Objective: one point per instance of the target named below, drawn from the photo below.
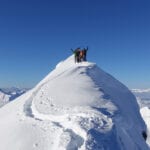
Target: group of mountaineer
(80, 54)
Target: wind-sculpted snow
(76, 107)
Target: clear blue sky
(36, 34)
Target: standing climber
(76, 54)
(81, 56)
(84, 53)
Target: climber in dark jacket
(84, 53)
(76, 54)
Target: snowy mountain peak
(75, 107)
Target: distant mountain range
(9, 94)
(143, 96)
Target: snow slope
(76, 107)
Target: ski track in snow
(72, 127)
(73, 140)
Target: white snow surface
(76, 107)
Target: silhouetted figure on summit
(80, 55)
(84, 53)
(76, 54)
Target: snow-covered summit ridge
(73, 87)
(76, 107)
(92, 85)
